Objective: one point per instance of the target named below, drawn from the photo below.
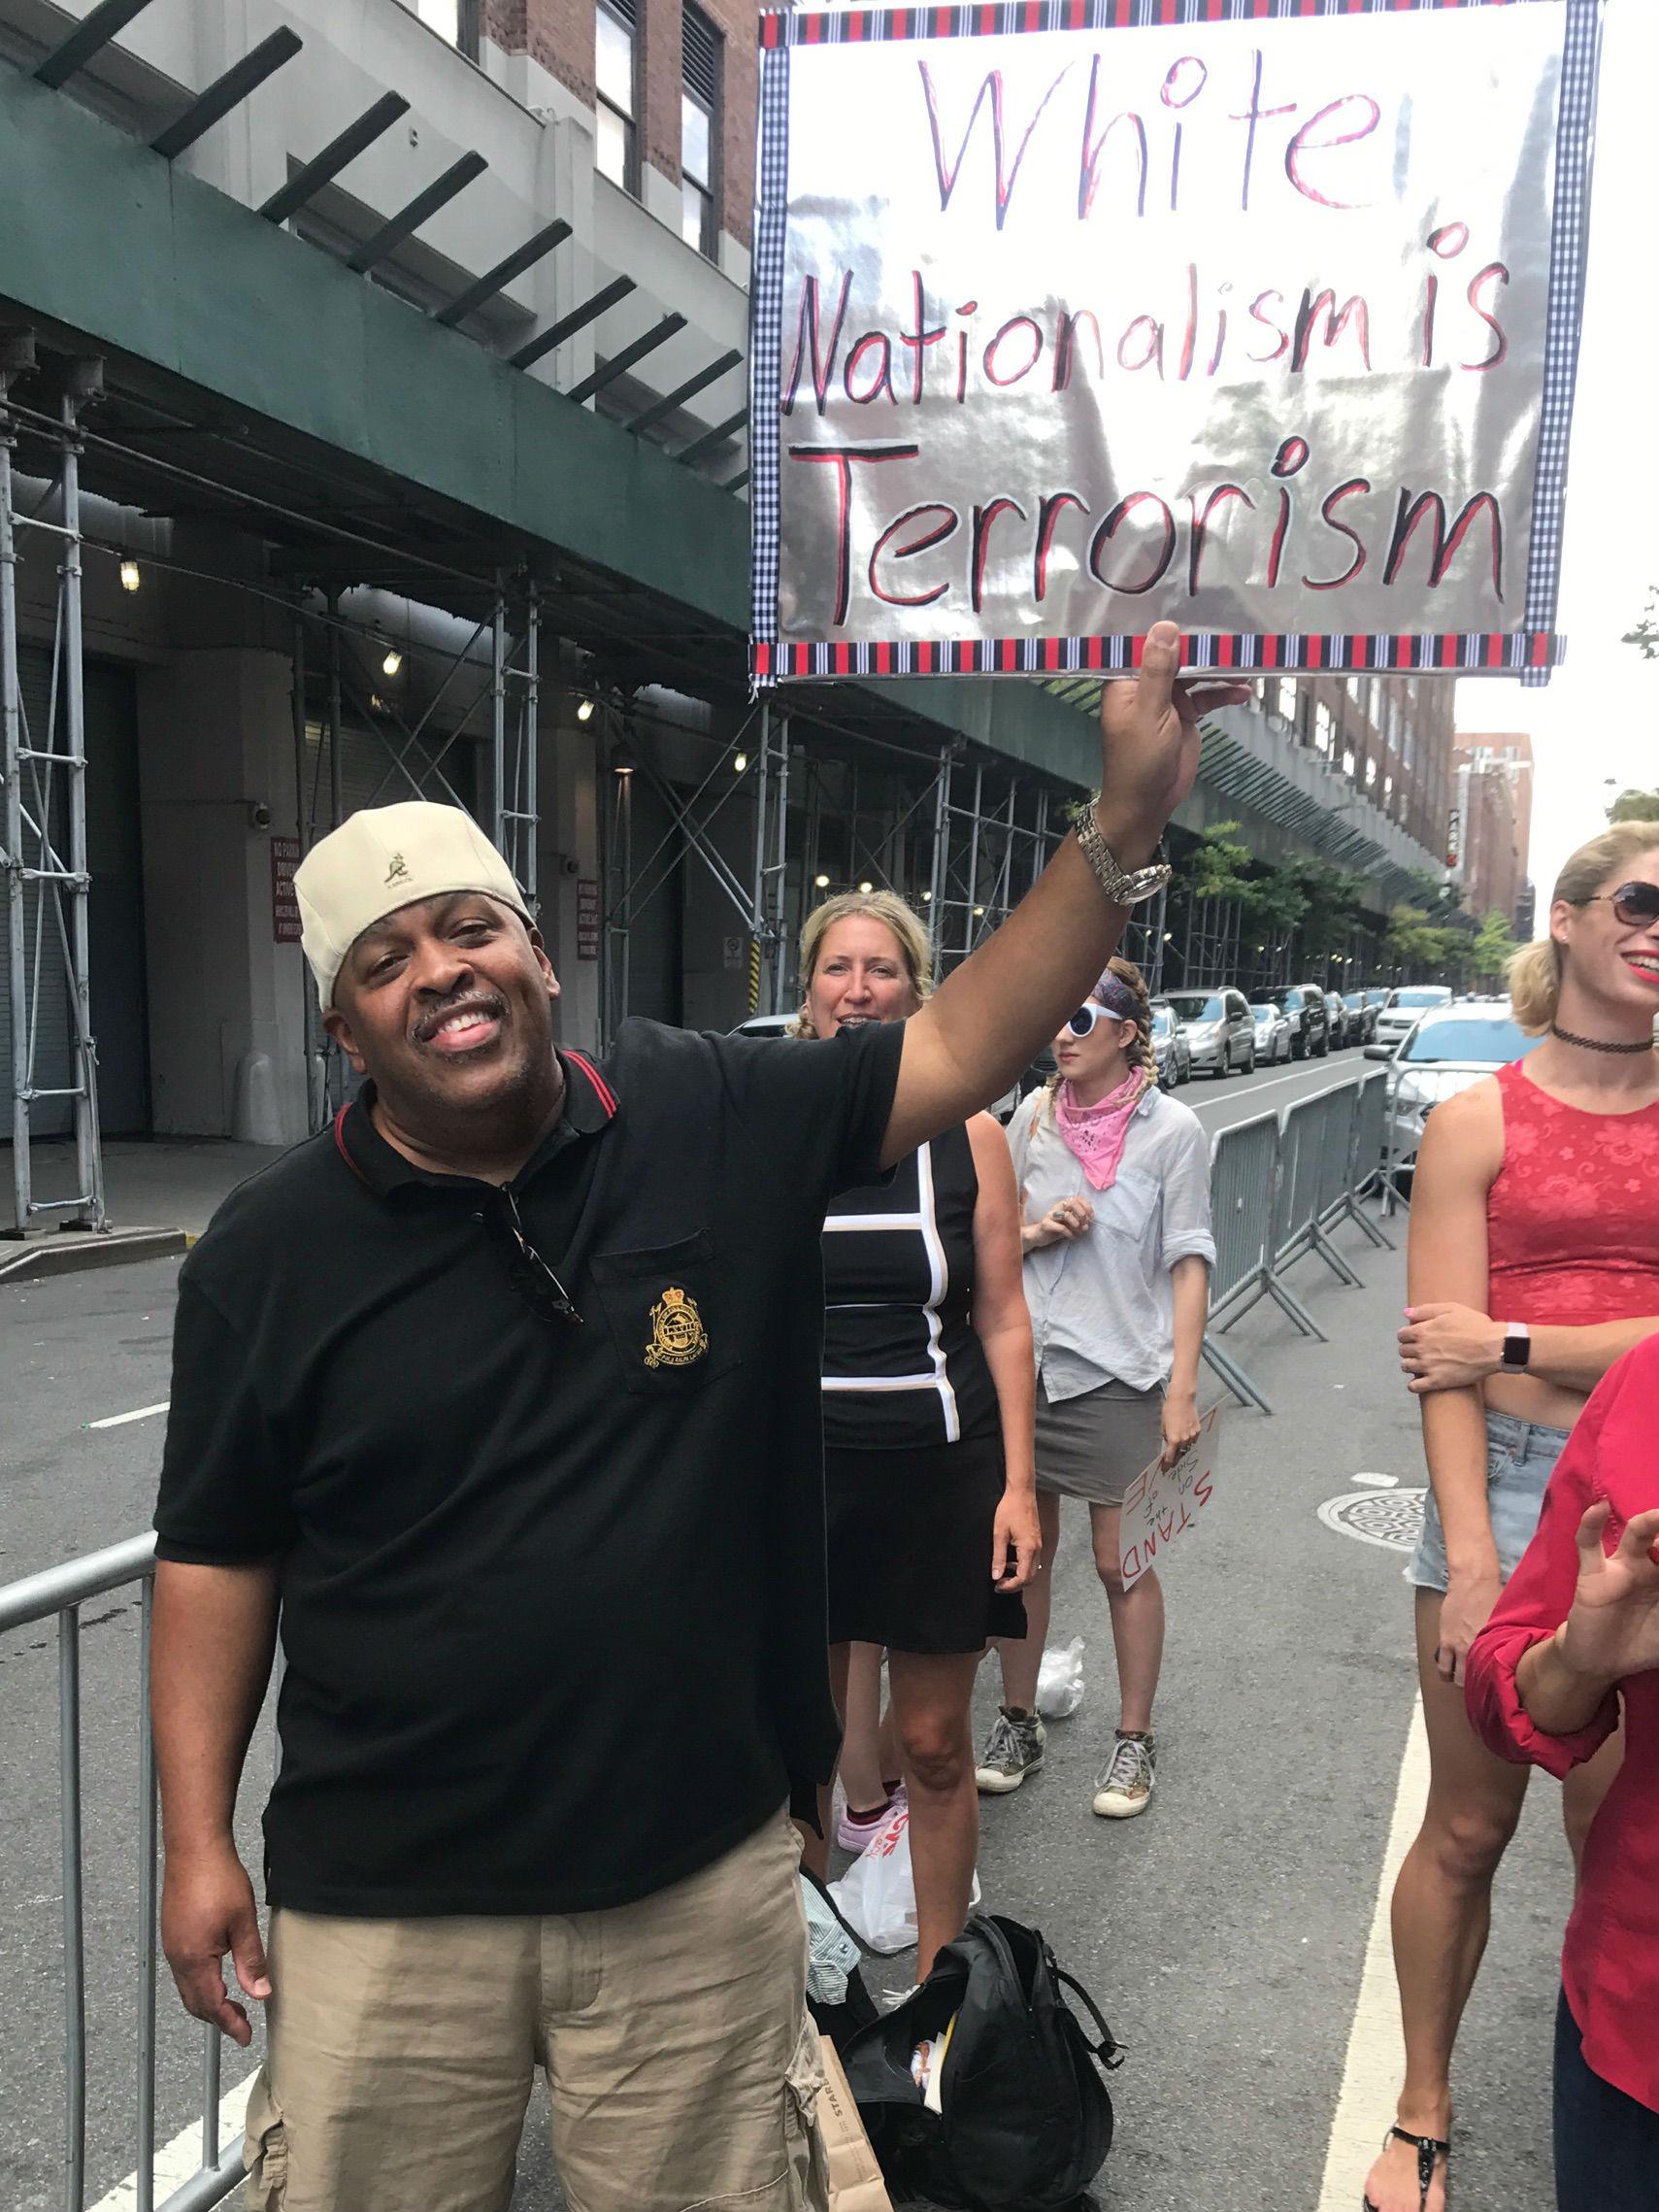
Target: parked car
(1310, 1021)
(1336, 1017)
(1168, 1043)
(1272, 1031)
(1404, 1008)
(1363, 1007)
(1450, 1046)
(1219, 1030)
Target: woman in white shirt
(1114, 1189)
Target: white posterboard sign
(1259, 316)
(1162, 1504)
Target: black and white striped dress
(914, 1459)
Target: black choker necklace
(1598, 1044)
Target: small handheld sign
(1161, 1504)
(1259, 316)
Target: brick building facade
(560, 36)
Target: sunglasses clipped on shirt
(1635, 904)
(526, 1270)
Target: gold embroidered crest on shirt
(677, 1334)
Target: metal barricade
(1314, 1163)
(1365, 1163)
(1244, 1189)
(59, 1594)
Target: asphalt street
(1224, 1934)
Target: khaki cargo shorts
(683, 2067)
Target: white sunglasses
(1083, 1021)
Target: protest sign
(1159, 1505)
(1260, 315)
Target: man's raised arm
(991, 1018)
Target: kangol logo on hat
(384, 857)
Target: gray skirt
(1093, 1446)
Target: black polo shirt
(552, 1596)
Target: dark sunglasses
(526, 1270)
(1083, 1021)
(1636, 904)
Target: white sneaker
(1125, 1787)
(1014, 1751)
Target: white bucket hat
(384, 857)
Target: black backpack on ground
(1026, 2120)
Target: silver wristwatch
(1124, 887)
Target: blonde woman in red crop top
(1534, 1265)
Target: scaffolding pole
(37, 767)
(10, 768)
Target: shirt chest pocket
(666, 1316)
(1126, 1209)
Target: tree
(1412, 938)
(1217, 867)
(1493, 946)
(1646, 635)
(1634, 806)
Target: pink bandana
(1097, 1133)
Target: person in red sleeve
(1575, 1631)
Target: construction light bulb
(867, 887)
(820, 882)
(978, 913)
(740, 761)
(392, 662)
(1169, 936)
(130, 577)
(584, 711)
(925, 896)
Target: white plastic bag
(1060, 1682)
(876, 1895)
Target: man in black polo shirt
(505, 1388)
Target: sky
(1599, 718)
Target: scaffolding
(43, 837)
(815, 812)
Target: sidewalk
(161, 1182)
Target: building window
(699, 131)
(1324, 730)
(456, 21)
(616, 69)
(1370, 769)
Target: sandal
(1428, 2148)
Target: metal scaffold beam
(43, 830)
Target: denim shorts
(1520, 1458)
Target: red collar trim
(344, 1150)
(601, 1089)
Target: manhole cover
(1391, 1518)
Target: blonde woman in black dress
(928, 1397)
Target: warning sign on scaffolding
(587, 918)
(285, 904)
(1260, 315)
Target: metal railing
(59, 1594)
(1279, 1185)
